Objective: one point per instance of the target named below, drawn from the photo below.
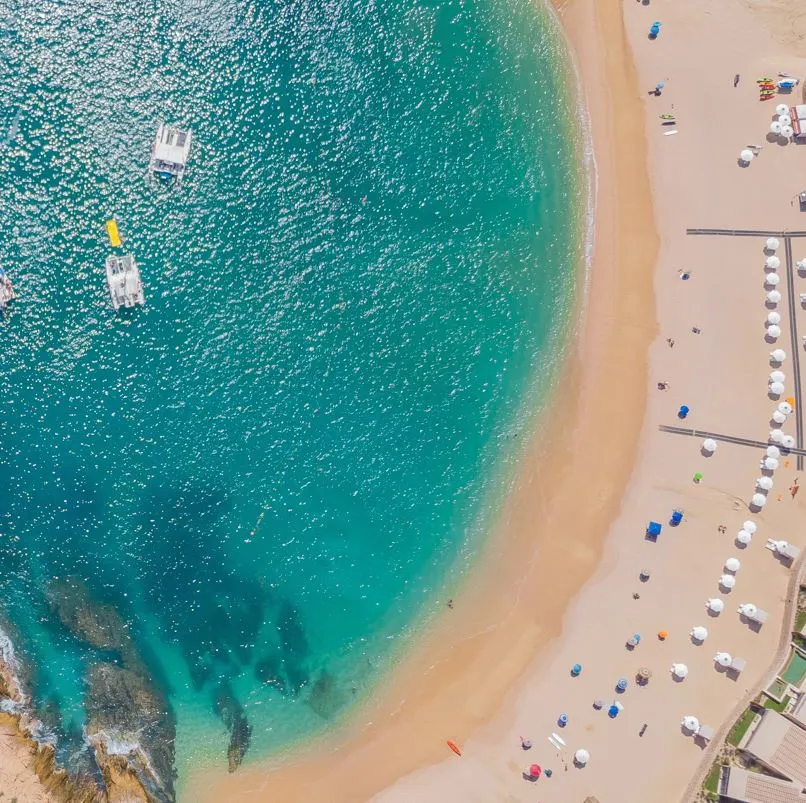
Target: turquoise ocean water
(352, 303)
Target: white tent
(765, 483)
(733, 564)
(715, 605)
(773, 330)
(773, 263)
(723, 658)
(777, 355)
(727, 581)
(751, 526)
(679, 670)
(709, 444)
(699, 633)
(691, 723)
(581, 757)
(744, 537)
(759, 500)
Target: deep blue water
(351, 304)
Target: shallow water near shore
(353, 304)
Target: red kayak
(455, 748)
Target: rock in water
(132, 731)
(232, 714)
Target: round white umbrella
(788, 442)
(784, 119)
(727, 581)
(777, 355)
(774, 331)
(691, 723)
(710, 445)
(776, 388)
(777, 376)
(780, 109)
(772, 278)
(581, 757)
(748, 609)
(747, 155)
(801, 264)
(778, 417)
(759, 500)
(787, 131)
(751, 526)
(733, 564)
(772, 451)
(775, 127)
(679, 670)
(715, 604)
(774, 297)
(765, 483)
(744, 537)
(774, 317)
(776, 436)
(723, 658)
(771, 463)
(773, 263)
(785, 407)
(699, 633)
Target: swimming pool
(796, 669)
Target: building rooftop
(798, 713)
(781, 745)
(752, 787)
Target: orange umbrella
(663, 634)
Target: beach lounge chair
(706, 733)
(760, 616)
(738, 664)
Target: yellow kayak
(112, 231)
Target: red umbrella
(535, 770)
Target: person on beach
(643, 729)
(663, 386)
(794, 488)
(722, 528)
(736, 80)
(670, 341)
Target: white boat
(170, 152)
(123, 278)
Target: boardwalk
(701, 433)
(793, 303)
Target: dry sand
(18, 780)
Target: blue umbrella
(622, 684)
(576, 669)
(563, 720)
(612, 712)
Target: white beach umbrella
(788, 442)
(751, 526)
(771, 463)
(772, 279)
(748, 609)
(774, 297)
(773, 263)
(775, 127)
(772, 451)
(776, 388)
(679, 670)
(785, 408)
(699, 633)
(776, 436)
(710, 445)
(801, 264)
(747, 155)
(723, 658)
(715, 605)
(759, 500)
(774, 317)
(777, 376)
(733, 564)
(765, 483)
(784, 119)
(777, 355)
(727, 581)
(782, 108)
(774, 331)
(744, 537)
(581, 757)
(691, 723)
(787, 131)
(778, 417)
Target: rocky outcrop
(132, 731)
(234, 719)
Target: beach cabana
(653, 529)
(727, 581)
(715, 605)
(581, 757)
(699, 633)
(723, 658)
(691, 723)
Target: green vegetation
(800, 621)
(741, 726)
(711, 784)
(779, 707)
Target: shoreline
(463, 681)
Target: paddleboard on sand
(558, 738)
(669, 133)
(455, 748)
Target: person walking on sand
(794, 488)
(736, 80)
